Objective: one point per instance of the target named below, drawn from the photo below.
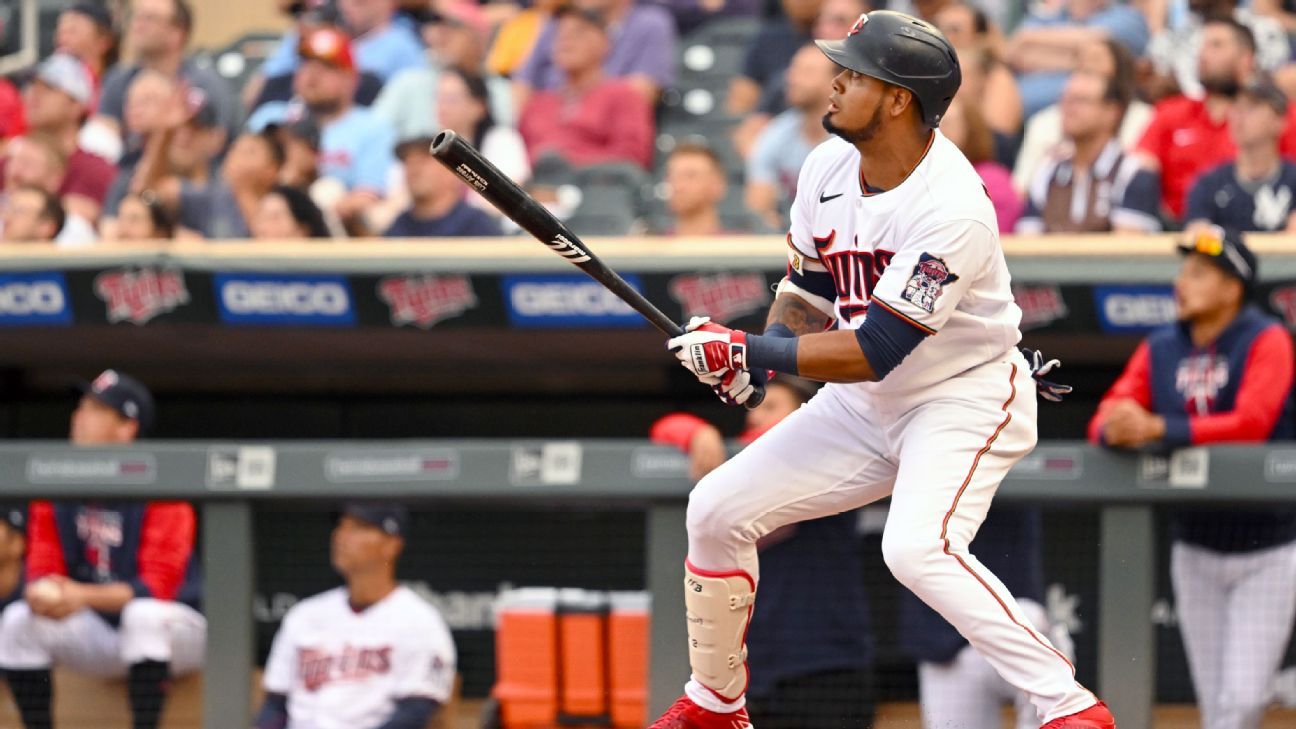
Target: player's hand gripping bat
(459, 156)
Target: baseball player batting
(893, 239)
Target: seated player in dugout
(894, 241)
(1221, 374)
(113, 588)
(812, 641)
(371, 654)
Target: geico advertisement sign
(567, 301)
(1134, 309)
(295, 300)
(34, 299)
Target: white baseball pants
(967, 693)
(1235, 614)
(150, 630)
(940, 455)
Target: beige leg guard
(719, 607)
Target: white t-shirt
(928, 250)
(346, 670)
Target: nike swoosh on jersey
(825, 198)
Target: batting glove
(736, 387)
(707, 348)
(1040, 367)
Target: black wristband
(772, 352)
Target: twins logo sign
(929, 277)
(139, 295)
(722, 296)
(423, 301)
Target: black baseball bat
(516, 204)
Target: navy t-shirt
(463, 220)
(1263, 205)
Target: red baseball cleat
(1094, 717)
(684, 714)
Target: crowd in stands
(1080, 115)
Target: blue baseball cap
(391, 518)
(123, 393)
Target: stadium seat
(611, 196)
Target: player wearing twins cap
(894, 240)
(1222, 374)
(370, 655)
(113, 588)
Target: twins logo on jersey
(929, 278)
(101, 532)
(854, 274)
(318, 668)
(1199, 379)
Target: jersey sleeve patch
(928, 280)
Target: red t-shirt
(88, 175)
(13, 121)
(1188, 142)
(609, 123)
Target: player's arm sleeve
(1134, 383)
(44, 552)
(165, 548)
(1140, 201)
(425, 668)
(280, 666)
(274, 712)
(411, 713)
(1265, 387)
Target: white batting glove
(709, 349)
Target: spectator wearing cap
(30, 214)
(438, 208)
(37, 161)
(591, 118)
(157, 35)
(56, 103)
(1255, 191)
(784, 143)
(86, 32)
(142, 217)
(287, 213)
(113, 589)
(355, 144)
(641, 50)
(1107, 58)
(1221, 374)
(456, 38)
(1090, 184)
(371, 654)
(1044, 48)
(382, 43)
(13, 549)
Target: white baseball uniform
(150, 630)
(937, 434)
(342, 669)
